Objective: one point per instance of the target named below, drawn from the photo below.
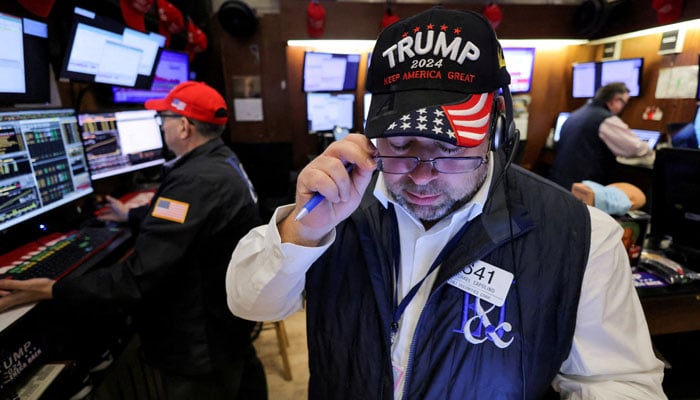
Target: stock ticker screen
(42, 163)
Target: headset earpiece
(498, 135)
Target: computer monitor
(42, 163)
(561, 118)
(102, 50)
(627, 70)
(325, 111)
(24, 61)
(651, 137)
(520, 62)
(121, 141)
(330, 72)
(675, 199)
(585, 80)
(172, 69)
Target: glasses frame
(160, 117)
(418, 161)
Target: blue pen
(315, 200)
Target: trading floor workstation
(75, 130)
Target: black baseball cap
(434, 75)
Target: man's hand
(119, 212)
(327, 174)
(15, 293)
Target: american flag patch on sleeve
(170, 209)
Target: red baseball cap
(192, 99)
(133, 12)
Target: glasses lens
(396, 165)
(456, 165)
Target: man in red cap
(174, 280)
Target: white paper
(248, 109)
(677, 82)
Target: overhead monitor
(172, 69)
(585, 80)
(102, 50)
(628, 71)
(520, 62)
(24, 61)
(330, 72)
(121, 141)
(588, 77)
(42, 163)
(325, 111)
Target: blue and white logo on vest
(480, 323)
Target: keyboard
(56, 255)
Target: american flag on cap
(465, 124)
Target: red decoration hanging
(493, 13)
(315, 19)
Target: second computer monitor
(120, 142)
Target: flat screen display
(24, 61)
(121, 141)
(675, 206)
(585, 80)
(329, 72)
(588, 77)
(519, 63)
(628, 71)
(325, 111)
(42, 163)
(101, 50)
(172, 69)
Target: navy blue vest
(580, 153)
(458, 352)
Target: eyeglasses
(445, 165)
(624, 103)
(161, 116)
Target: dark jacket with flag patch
(349, 302)
(174, 280)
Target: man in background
(593, 136)
(174, 282)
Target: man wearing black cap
(174, 280)
(455, 275)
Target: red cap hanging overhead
(41, 8)
(493, 13)
(389, 18)
(171, 20)
(667, 11)
(133, 12)
(196, 39)
(315, 19)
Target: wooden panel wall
(280, 66)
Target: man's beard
(452, 201)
